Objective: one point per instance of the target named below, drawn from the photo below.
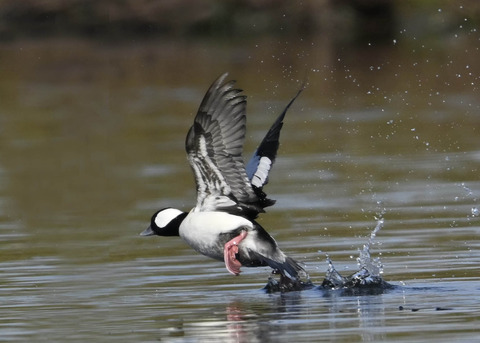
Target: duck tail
(291, 269)
(293, 277)
(286, 266)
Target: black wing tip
(216, 88)
(220, 80)
(269, 145)
(268, 148)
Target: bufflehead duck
(229, 194)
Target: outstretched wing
(214, 147)
(263, 158)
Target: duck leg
(229, 253)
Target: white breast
(201, 230)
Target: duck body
(209, 232)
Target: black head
(165, 222)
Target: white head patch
(166, 216)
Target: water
(367, 279)
(92, 144)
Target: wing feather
(214, 147)
(263, 158)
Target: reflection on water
(92, 142)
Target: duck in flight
(230, 195)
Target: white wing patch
(215, 203)
(260, 176)
(210, 181)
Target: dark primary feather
(270, 143)
(214, 146)
(268, 148)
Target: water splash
(373, 266)
(366, 281)
(368, 278)
(333, 276)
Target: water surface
(92, 144)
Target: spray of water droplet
(365, 261)
(475, 212)
(369, 269)
(332, 275)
